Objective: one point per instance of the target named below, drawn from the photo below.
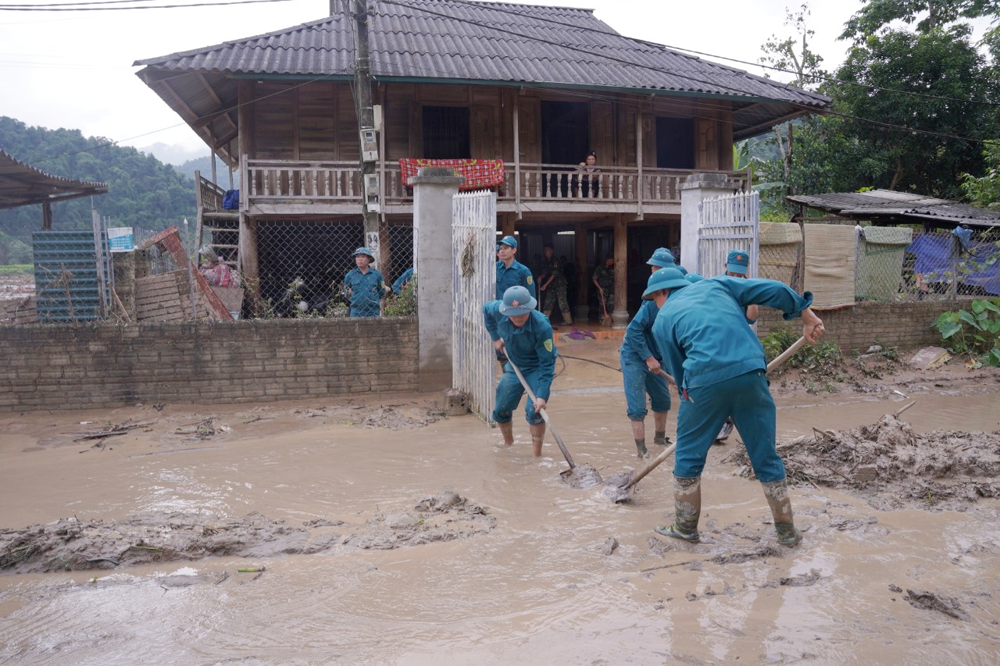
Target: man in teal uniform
(719, 365)
(640, 360)
(400, 284)
(511, 272)
(662, 258)
(526, 336)
(364, 286)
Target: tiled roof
(891, 206)
(484, 41)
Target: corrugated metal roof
(888, 205)
(480, 41)
(22, 185)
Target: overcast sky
(74, 69)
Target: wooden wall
(317, 122)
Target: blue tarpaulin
(977, 267)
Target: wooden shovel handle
(545, 415)
(787, 354)
(651, 466)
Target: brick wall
(55, 366)
(891, 324)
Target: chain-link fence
(302, 264)
(889, 264)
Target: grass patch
(17, 269)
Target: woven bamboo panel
(779, 233)
(779, 251)
(829, 274)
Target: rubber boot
(776, 493)
(640, 446)
(537, 435)
(507, 430)
(687, 509)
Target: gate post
(433, 189)
(696, 188)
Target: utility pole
(370, 204)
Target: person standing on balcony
(553, 287)
(604, 280)
(364, 287)
(526, 336)
(590, 181)
(511, 272)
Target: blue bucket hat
(665, 278)
(693, 277)
(509, 241)
(738, 262)
(663, 258)
(517, 300)
(364, 251)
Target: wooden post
(638, 160)
(580, 310)
(620, 315)
(517, 157)
(46, 216)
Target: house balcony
(316, 188)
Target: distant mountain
(172, 153)
(204, 165)
(143, 191)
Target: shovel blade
(618, 488)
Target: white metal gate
(730, 222)
(473, 370)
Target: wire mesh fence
(889, 264)
(302, 265)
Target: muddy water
(538, 588)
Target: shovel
(619, 486)
(606, 319)
(579, 477)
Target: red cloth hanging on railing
(478, 174)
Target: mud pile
(72, 545)
(894, 467)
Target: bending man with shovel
(526, 335)
(720, 366)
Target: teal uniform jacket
(694, 330)
(400, 284)
(530, 346)
(639, 334)
(517, 274)
(366, 291)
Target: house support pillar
(694, 190)
(619, 318)
(433, 189)
(581, 311)
(249, 266)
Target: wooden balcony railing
(271, 181)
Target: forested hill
(143, 192)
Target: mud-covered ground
(378, 529)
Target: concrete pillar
(696, 188)
(433, 189)
(619, 318)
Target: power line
(10, 8)
(711, 55)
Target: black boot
(776, 493)
(687, 509)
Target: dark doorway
(565, 132)
(446, 132)
(674, 143)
